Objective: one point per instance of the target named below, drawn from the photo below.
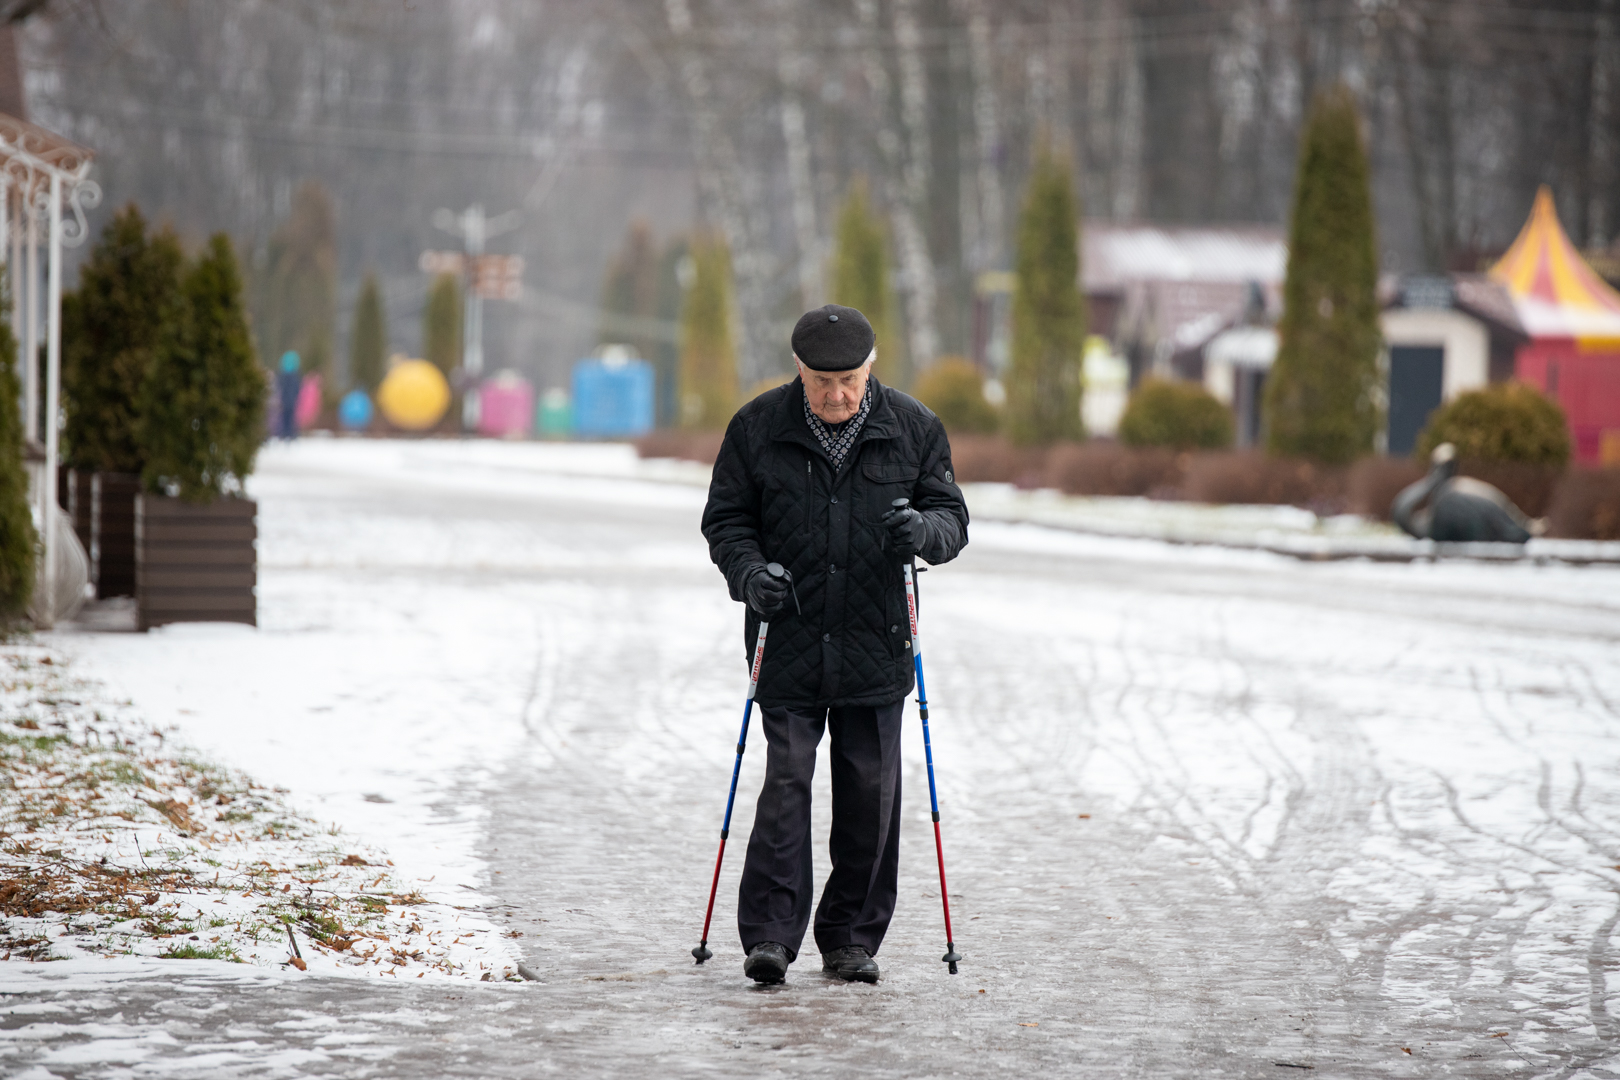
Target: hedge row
(1578, 502)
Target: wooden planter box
(112, 533)
(195, 563)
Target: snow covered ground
(1207, 812)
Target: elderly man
(806, 477)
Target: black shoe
(767, 962)
(852, 963)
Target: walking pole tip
(702, 953)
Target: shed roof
(1115, 255)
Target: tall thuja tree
(1320, 397)
(860, 279)
(630, 292)
(202, 406)
(368, 338)
(708, 341)
(298, 294)
(1048, 318)
(128, 291)
(441, 324)
(666, 354)
(18, 541)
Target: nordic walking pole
(909, 568)
(776, 570)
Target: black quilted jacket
(775, 498)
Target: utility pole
(474, 229)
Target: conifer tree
(298, 305)
(1320, 397)
(202, 406)
(860, 279)
(708, 345)
(128, 290)
(441, 324)
(1048, 318)
(368, 338)
(666, 355)
(18, 541)
(631, 290)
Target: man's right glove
(765, 594)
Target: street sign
(494, 277)
(498, 277)
(442, 262)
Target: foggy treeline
(752, 117)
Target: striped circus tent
(1572, 317)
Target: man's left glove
(908, 532)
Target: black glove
(908, 532)
(765, 594)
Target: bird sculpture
(1459, 509)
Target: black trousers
(858, 900)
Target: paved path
(1206, 814)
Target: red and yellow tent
(1572, 318)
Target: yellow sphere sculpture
(413, 395)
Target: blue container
(613, 399)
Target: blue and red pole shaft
(702, 953)
(909, 569)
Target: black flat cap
(833, 338)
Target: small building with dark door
(1444, 336)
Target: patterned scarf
(836, 439)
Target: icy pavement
(1206, 812)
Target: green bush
(1506, 422)
(18, 541)
(954, 389)
(1179, 414)
(202, 406)
(128, 289)
(1320, 397)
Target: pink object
(309, 401)
(505, 406)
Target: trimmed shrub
(1107, 468)
(368, 338)
(1373, 482)
(1253, 478)
(1179, 414)
(700, 446)
(1586, 505)
(708, 350)
(1048, 317)
(860, 279)
(202, 405)
(18, 541)
(441, 324)
(1511, 422)
(1320, 398)
(954, 389)
(992, 459)
(129, 288)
